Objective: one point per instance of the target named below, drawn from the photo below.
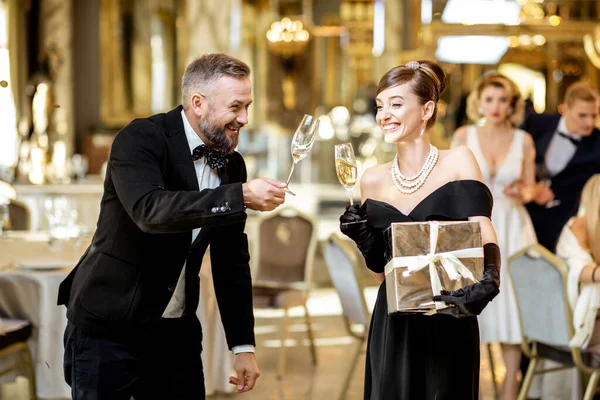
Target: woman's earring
(423, 130)
(480, 111)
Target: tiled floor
(303, 381)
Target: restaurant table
(31, 271)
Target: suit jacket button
(171, 288)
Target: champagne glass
(345, 166)
(302, 143)
(544, 179)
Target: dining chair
(283, 258)
(540, 282)
(14, 350)
(344, 270)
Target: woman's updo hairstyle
(427, 80)
(494, 79)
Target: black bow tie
(573, 140)
(214, 159)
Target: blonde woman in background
(506, 156)
(579, 246)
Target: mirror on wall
(142, 53)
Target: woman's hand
(520, 192)
(472, 299)
(354, 223)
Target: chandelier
(287, 38)
(591, 45)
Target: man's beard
(217, 137)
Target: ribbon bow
(214, 159)
(449, 261)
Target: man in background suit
(174, 185)
(567, 155)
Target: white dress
(583, 298)
(499, 321)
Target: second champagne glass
(544, 178)
(302, 143)
(345, 167)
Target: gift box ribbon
(449, 260)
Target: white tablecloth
(31, 295)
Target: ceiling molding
(565, 32)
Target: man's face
(580, 117)
(226, 112)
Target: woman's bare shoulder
(373, 175)
(578, 226)
(461, 163)
(459, 137)
(373, 178)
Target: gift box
(427, 257)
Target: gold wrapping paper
(410, 291)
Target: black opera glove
(472, 299)
(355, 224)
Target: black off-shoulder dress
(417, 357)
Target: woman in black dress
(417, 357)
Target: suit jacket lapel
(543, 146)
(544, 142)
(225, 174)
(580, 154)
(183, 154)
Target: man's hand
(247, 372)
(543, 194)
(263, 194)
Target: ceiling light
(554, 20)
(470, 12)
(471, 49)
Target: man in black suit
(174, 185)
(567, 155)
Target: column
(402, 35)
(552, 86)
(394, 17)
(209, 26)
(229, 26)
(56, 37)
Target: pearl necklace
(412, 184)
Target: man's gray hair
(206, 69)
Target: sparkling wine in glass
(302, 143)
(544, 178)
(543, 174)
(345, 167)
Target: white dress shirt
(208, 178)
(561, 149)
